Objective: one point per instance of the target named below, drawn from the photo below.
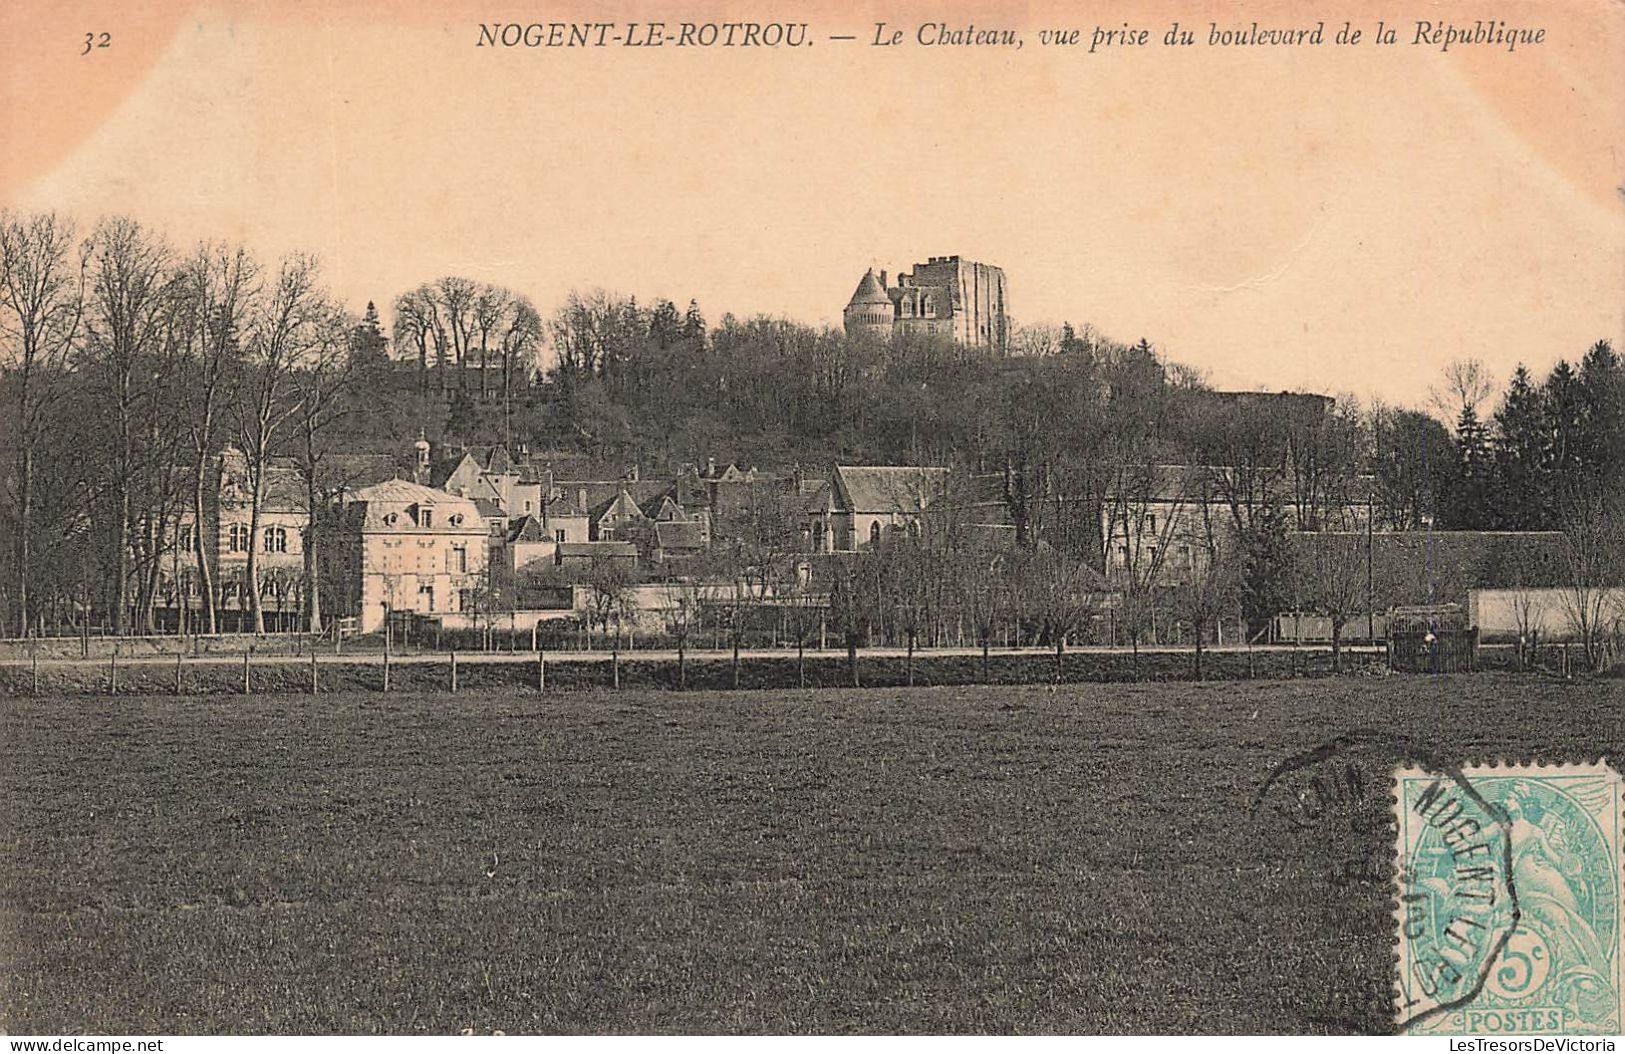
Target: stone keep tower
(954, 298)
(870, 311)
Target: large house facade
(400, 546)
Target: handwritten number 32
(97, 40)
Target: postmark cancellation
(1508, 900)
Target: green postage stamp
(1509, 900)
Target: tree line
(128, 363)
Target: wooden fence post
(386, 670)
(541, 672)
(454, 670)
(314, 689)
(112, 669)
(245, 672)
(177, 673)
(36, 673)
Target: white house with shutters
(402, 546)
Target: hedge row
(824, 670)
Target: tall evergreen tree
(1602, 418)
(1469, 504)
(1522, 495)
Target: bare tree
(804, 613)
(1061, 594)
(456, 297)
(610, 586)
(128, 269)
(42, 300)
(852, 605)
(1335, 580)
(162, 467)
(1593, 550)
(1144, 509)
(416, 320)
(684, 615)
(520, 343)
(910, 575)
(222, 283)
(1035, 341)
(322, 377)
(1467, 384)
(283, 331)
(1210, 587)
(488, 309)
(982, 596)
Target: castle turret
(869, 312)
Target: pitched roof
(887, 489)
(488, 508)
(349, 471)
(680, 534)
(375, 503)
(816, 495)
(403, 490)
(528, 529)
(869, 291)
(284, 484)
(564, 504)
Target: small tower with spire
(420, 466)
(869, 312)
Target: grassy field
(939, 859)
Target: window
(606, 534)
(425, 517)
(558, 536)
(527, 506)
(276, 539)
(188, 538)
(459, 559)
(874, 533)
(237, 538)
(1151, 523)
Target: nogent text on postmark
(1509, 900)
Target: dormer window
(425, 515)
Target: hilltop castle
(958, 299)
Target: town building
(858, 505)
(959, 300)
(400, 546)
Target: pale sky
(1335, 219)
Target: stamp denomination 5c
(1509, 900)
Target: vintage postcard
(811, 519)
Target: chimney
(710, 467)
(581, 498)
(883, 284)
